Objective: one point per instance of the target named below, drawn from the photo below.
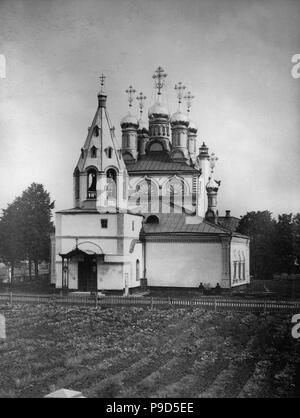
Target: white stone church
(145, 213)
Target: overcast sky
(234, 55)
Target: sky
(234, 55)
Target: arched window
(111, 177)
(108, 152)
(152, 219)
(175, 195)
(77, 185)
(93, 152)
(96, 131)
(137, 270)
(92, 184)
(156, 146)
(82, 153)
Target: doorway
(87, 273)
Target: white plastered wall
(183, 264)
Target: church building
(145, 207)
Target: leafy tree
(25, 228)
(36, 224)
(260, 227)
(284, 243)
(11, 248)
(296, 241)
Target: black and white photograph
(149, 201)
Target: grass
(139, 352)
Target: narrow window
(109, 154)
(82, 153)
(93, 152)
(96, 131)
(104, 223)
(77, 186)
(137, 269)
(234, 270)
(92, 184)
(111, 177)
(133, 225)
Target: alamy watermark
(296, 68)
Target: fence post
(265, 306)
(215, 304)
(10, 298)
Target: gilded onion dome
(179, 118)
(158, 110)
(129, 120)
(142, 126)
(193, 127)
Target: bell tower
(100, 176)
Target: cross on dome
(212, 161)
(179, 87)
(188, 98)
(130, 92)
(141, 100)
(102, 79)
(159, 77)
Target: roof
(158, 162)
(74, 211)
(229, 222)
(177, 223)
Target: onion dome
(179, 118)
(143, 128)
(212, 185)
(129, 120)
(158, 110)
(193, 127)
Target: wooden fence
(217, 303)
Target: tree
(260, 227)
(11, 246)
(284, 244)
(36, 224)
(25, 228)
(296, 241)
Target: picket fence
(217, 303)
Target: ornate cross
(188, 98)
(130, 91)
(141, 100)
(212, 161)
(179, 87)
(159, 77)
(102, 78)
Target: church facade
(145, 211)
